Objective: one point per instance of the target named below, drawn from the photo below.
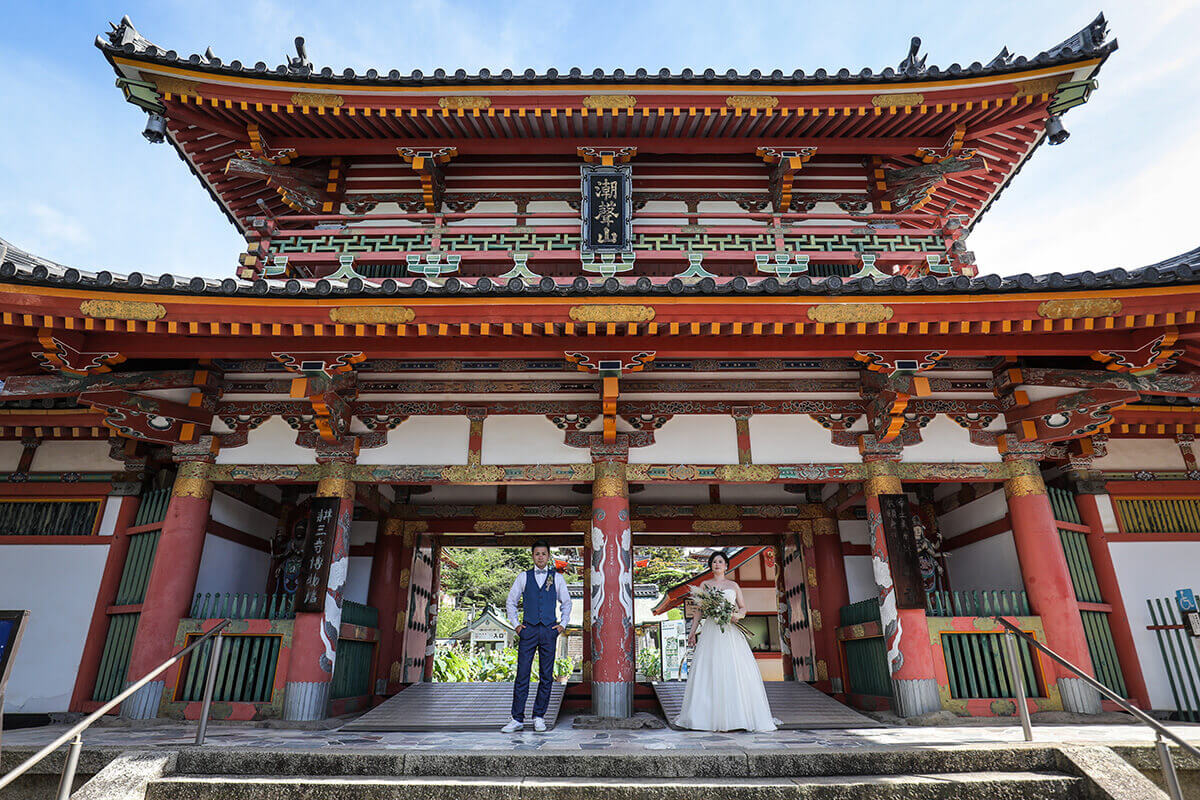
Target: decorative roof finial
(1087, 39)
(300, 63)
(125, 34)
(911, 65)
(1002, 59)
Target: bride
(724, 688)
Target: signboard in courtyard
(673, 633)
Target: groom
(539, 589)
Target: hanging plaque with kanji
(607, 209)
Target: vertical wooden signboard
(318, 550)
(902, 550)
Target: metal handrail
(75, 734)
(1160, 730)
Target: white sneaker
(513, 726)
(539, 724)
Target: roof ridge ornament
(299, 64)
(125, 34)
(1003, 59)
(1089, 38)
(911, 65)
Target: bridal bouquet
(714, 605)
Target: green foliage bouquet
(715, 606)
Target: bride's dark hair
(715, 555)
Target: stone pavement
(173, 735)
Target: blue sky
(82, 187)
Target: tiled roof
(21, 267)
(124, 39)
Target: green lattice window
(48, 517)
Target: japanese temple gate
(606, 310)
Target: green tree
(665, 566)
(483, 575)
(450, 620)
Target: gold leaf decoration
(465, 101)
(499, 512)
(473, 474)
(175, 86)
(611, 313)
(747, 473)
(122, 309)
(717, 525)
(751, 101)
(850, 312)
(500, 526)
(1038, 86)
(718, 512)
(1080, 308)
(372, 315)
(609, 101)
(317, 99)
(891, 100)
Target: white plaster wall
(73, 457)
(988, 508)
(10, 456)
(859, 578)
(755, 493)
(793, 438)
(358, 579)
(1151, 570)
(760, 599)
(363, 532)
(58, 585)
(423, 440)
(467, 495)
(943, 439)
(1131, 454)
(987, 564)
(1108, 513)
(662, 493)
(240, 516)
(854, 531)
(526, 439)
(108, 517)
(227, 566)
(699, 439)
(273, 442)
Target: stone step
(945, 786)
(774, 763)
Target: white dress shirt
(539, 575)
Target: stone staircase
(1044, 772)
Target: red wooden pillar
(612, 580)
(1045, 573)
(381, 594)
(110, 580)
(905, 630)
(405, 533)
(171, 584)
(586, 655)
(435, 589)
(832, 593)
(315, 633)
(1110, 590)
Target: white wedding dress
(724, 688)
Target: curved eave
(25, 270)
(326, 78)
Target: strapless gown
(724, 688)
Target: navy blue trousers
(538, 639)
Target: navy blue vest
(540, 602)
